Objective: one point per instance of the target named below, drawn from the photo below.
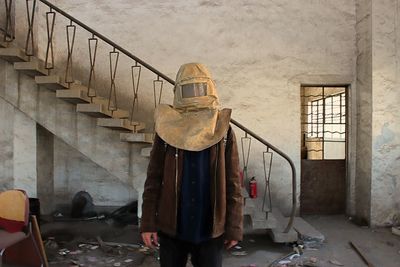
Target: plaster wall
(385, 169)
(364, 109)
(45, 169)
(260, 52)
(18, 153)
(74, 172)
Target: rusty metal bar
(69, 74)
(160, 88)
(267, 176)
(112, 97)
(29, 45)
(50, 20)
(92, 74)
(135, 72)
(8, 29)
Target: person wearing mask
(192, 202)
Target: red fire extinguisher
(253, 187)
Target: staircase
(93, 124)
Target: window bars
(323, 120)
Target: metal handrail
(171, 81)
(105, 39)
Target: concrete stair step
(118, 124)
(32, 68)
(145, 152)
(248, 210)
(137, 137)
(2, 43)
(74, 96)
(12, 54)
(264, 221)
(250, 202)
(52, 82)
(99, 110)
(307, 233)
(245, 194)
(277, 234)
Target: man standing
(192, 203)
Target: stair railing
(136, 70)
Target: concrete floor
(379, 245)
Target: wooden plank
(38, 238)
(362, 254)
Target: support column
(45, 169)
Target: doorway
(323, 149)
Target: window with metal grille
(324, 122)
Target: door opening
(323, 149)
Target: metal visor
(194, 90)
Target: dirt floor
(75, 244)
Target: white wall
(385, 194)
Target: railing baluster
(29, 45)
(50, 20)
(69, 75)
(91, 92)
(245, 154)
(159, 88)
(267, 175)
(135, 71)
(8, 29)
(112, 97)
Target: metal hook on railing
(69, 75)
(91, 92)
(112, 97)
(29, 45)
(50, 21)
(135, 72)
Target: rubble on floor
(92, 252)
(97, 243)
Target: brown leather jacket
(163, 183)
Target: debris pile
(86, 253)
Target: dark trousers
(175, 252)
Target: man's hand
(150, 239)
(230, 243)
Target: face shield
(194, 90)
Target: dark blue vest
(194, 213)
